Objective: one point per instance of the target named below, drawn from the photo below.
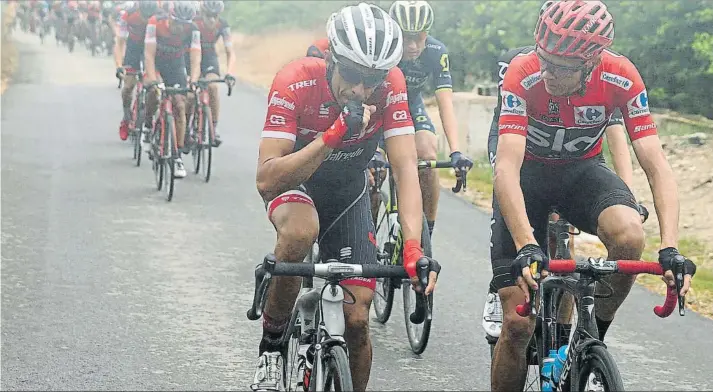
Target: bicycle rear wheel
(337, 375)
(598, 371)
(418, 334)
(384, 293)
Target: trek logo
(512, 105)
(589, 115)
(639, 105)
(617, 80)
(301, 84)
(277, 101)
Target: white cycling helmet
(366, 35)
(412, 16)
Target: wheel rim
(383, 225)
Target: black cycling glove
(528, 255)
(670, 256)
(353, 116)
(460, 161)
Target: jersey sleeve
(151, 26)
(123, 27)
(616, 118)
(225, 33)
(442, 68)
(195, 37)
(634, 103)
(512, 103)
(397, 118)
(281, 117)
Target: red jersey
(132, 26)
(301, 107)
(561, 129)
(172, 45)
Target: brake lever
(422, 310)
(678, 270)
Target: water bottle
(395, 228)
(561, 356)
(547, 367)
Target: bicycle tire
(197, 139)
(597, 356)
(207, 140)
(335, 363)
(417, 340)
(156, 153)
(169, 158)
(384, 300)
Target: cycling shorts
(209, 64)
(173, 72)
(346, 229)
(133, 56)
(579, 191)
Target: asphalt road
(106, 286)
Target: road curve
(105, 286)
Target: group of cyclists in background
(360, 90)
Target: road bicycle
(390, 242)
(164, 150)
(201, 130)
(317, 357)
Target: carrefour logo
(639, 105)
(512, 104)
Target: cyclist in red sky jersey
(547, 159)
(324, 120)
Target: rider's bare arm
(444, 98)
(279, 169)
(402, 157)
(229, 51)
(195, 53)
(150, 50)
(506, 183)
(663, 186)
(119, 49)
(619, 148)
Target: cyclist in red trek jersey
(167, 38)
(213, 27)
(544, 160)
(323, 123)
(129, 52)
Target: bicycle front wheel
(169, 158)
(337, 376)
(384, 293)
(207, 143)
(598, 371)
(418, 334)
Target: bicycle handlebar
(433, 164)
(600, 267)
(333, 271)
(203, 83)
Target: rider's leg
(426, 148)
(347, 236)
(126, 95)
(212, 73)
(601, 203)
(509, 366)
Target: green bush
(670, 42)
